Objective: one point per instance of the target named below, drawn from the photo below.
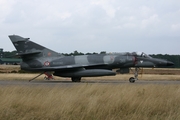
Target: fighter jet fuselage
(38, 58)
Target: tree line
(173, 58)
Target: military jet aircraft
(38, 58)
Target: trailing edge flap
(66, 67)
(28, 53)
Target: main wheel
(131, 80)
(76, 79)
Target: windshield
(142, 54)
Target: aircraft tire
(76, 79)
(131, 80)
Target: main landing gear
(133, 79)
(48, 76)
(76, 79)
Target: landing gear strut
(47, 77)
(36, 77)
(76, 79)
(133, 79)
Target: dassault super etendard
(38, 58)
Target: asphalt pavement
(69, 83)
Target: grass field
(7, 73)
(90, 102)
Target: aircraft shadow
(82, 82)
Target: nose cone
(164, 63)
(170, 63)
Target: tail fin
(27, 48)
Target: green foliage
(103, 52)
(173, 58)
(75, 53)
(8, 54)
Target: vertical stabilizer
(27, 48)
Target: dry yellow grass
(149, 74)
(16, 76)
(9, 68)
(90, 102)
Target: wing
(67, 67)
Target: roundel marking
(46, 63)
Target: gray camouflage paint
(38, 58)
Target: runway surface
(69, 83)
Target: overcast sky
(151, 26)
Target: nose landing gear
(136, 71)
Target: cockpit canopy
(138, 54)
(142, 54)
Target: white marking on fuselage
(141, 61)
(108, 59)
(81, 60)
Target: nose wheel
(133, 79)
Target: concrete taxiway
(69, 83)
